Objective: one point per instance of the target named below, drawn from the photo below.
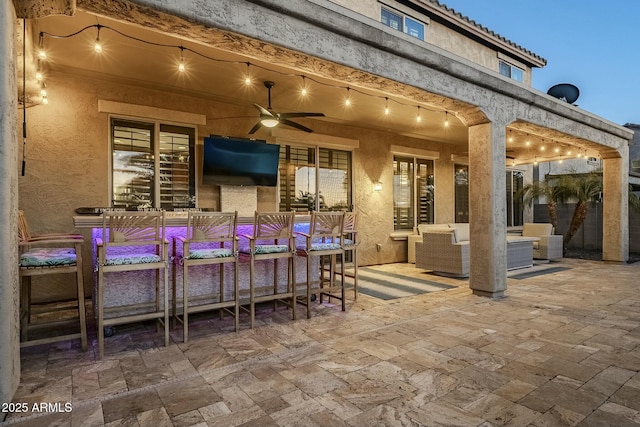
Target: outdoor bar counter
(133, 292)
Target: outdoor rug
(537, 272)
(386, 285)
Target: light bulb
(39, 76)
(181, 66)
(43, 93)
(347, 101)
(446, 119)
(304, 92)
(97, 47)
(42, 54)
(247, 80)
(45, 101)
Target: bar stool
(211, 239)
(350, 244)
(324, 238)
(48, 254)
(132, 241)
(272, 239)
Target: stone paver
(559, 350)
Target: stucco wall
(441, 36)
(9, 299)
(68, 164)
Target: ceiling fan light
(269, 122)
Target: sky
(592, 44)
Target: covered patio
(343, 55)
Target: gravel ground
(595, 255)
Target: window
(309, 171)
(413, 192)
(511, 71)
(153, 165)
(401, 22)
(515, 207)
(462, 193)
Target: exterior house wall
(441, 36)
(634, 149)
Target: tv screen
(235, 161)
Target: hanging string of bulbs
(556, 152)
(182, 68)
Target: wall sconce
(377, 186)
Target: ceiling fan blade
(255, 128)
(295, 125)
(263, 110)
(289, 115)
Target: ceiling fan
(270, 118)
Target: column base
(487, 294)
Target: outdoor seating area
(549, 245)
(444, 248)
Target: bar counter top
(172, 219)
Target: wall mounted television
(236, 161)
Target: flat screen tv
(235, 161)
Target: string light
(510, 139)
(386, 106)
(39, 76)
(42, 54)
(181, 66)
(248, 79)
(347, 100)
(97, 47)
(446, 119)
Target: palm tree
(554, 194)
(584, 189)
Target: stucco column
(615, 203)
(9, 296)
(487, 210)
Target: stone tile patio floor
(560, 349)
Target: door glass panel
(133, 165)
(425, 191)
(334, 180)
(403, 207)
(462, 193)
(177, 189)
